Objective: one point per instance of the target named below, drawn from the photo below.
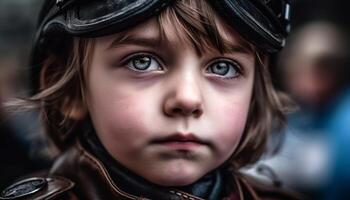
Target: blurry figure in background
(315, 65)
(315, 71)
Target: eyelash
(232, 63)
(134, 57)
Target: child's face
(162, 110)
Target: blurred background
(23, 148)
(313, 157)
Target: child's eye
(227, 69)
(143, 63)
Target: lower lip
(179, 145)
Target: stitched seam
(185, 195)
(102, 171)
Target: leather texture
(78, 175)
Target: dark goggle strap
(264, 22)
(282, 10)
(255, 20)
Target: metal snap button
(23, 188)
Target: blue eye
(143, 63)
(226, 69)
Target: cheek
(232, 123)
(229, 117)
(119, 118)
(124, 115)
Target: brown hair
(63, 82)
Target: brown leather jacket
(78, 175)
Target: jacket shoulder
(260, 190)
(40, 188)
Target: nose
(184, 99)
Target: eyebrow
(134, 40)
(240, 47)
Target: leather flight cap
(265, 23)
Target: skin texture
(177, 120)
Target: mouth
(180, 141)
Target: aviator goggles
(265, 23)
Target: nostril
(177, 111)
(185, 112)
(197, 112)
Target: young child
(155, 99)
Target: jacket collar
(93, 181)
(209, 187)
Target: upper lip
(180, 137)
